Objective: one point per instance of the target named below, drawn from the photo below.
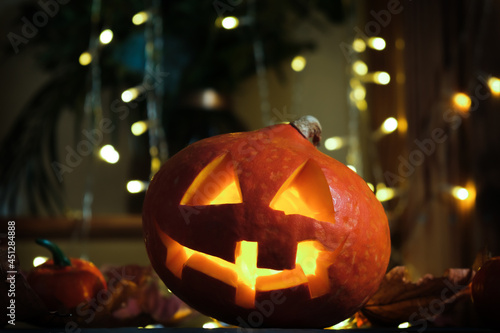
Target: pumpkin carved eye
(216, 184)
(306, 192)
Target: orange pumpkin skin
(355, 241)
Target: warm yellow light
(404, 325)
(307, 255)
(85, 58)
(376, 43)
(352, 167)
(130, 94)
(230, 22)
(381, 78)
(136, 186)
(311, 266)
(359, 93)
(206, 190)
(462, 102)
(139, 127)
(359, 45)
(228, 195)
(106, 36)
(334, 143)
(109, 154)
(370, 185)
(155, 165)
(298, 63)
(494, 85)
(460, 193)
(402, 125)
(210, 325)
(140, 18)
(385, 194)
(362, 105)
(39, 260)
(389, 125)
(359, 67)
(342, 325)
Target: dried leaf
(398, 299)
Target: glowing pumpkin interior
(305, 192)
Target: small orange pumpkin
(261, 229)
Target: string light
(362, 105)
(39, 260)
(461, 102)
(381, 78)
(358, 93)
(460, 193)
(85, 58)
(298, 63)
(230, 22)
(494, 85)
(359, 67)
(385, 193)
(140, 18)
(136, 186)
(106, 36)
(109, 154)
(376, 43)
(359, 45)
(131, 94)
(352, 167)
(334, 143)
(139, 127)
(389, 125)
(370, 185)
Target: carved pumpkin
(261, 229)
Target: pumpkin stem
(309, 127)
(60, 259)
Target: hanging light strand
(154, 97)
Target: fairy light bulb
(109, 154)
(106, 36)
(85, 58)
(359, 45)
(136, 186)
(334, 143)
(298, 63)
(359, 67)
(376, 43)
(461, 102)
(230, 22)
(460, 193)
(130, 94)
(494, 85)
(140, 18)
(139, 127)
(389, 125)
(382, 78)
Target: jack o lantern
(261, 229)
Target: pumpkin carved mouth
(311, 268)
